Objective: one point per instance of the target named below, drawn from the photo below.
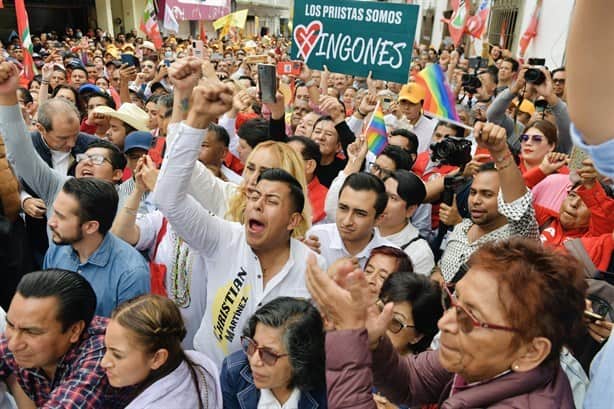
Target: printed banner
(198, 9)
(355, 37)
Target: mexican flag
(27, 73)
(149, 25)
(456, 25)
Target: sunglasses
(559, 81)
(95, 159)
(395, 325)
(536, 138)
(466, 321)
(266, 355)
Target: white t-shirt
(419, 251)
(332, 247)
(235, 287)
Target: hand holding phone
(267, 83)
(129, 59)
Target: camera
(452, 151)
(534, 76)
(471, 83)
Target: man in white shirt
(405, 193)
(362, 201)
(411, 100)
(247, 265)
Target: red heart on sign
(307, 37)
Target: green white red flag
(23, 27)
(458, 20)
(149, 24)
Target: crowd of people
(168, 240)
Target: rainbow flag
(376, 134)
(439, 99)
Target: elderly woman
(383, 261)
(282, 362)
(501, 335)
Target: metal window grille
(502, 23)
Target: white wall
(440, 6)
(551, 31)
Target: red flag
(477, 24)
(203, 33)
(24, 36)
(456, 23)
(502, 34)
(531, 31)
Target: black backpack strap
(404, 246)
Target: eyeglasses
(535, 138)
(559, 81)
(375, 168)
(96, 159)
(395, 325)
(266, 355)
(466, 321)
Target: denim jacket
(240, 392)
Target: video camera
(452, 151)
(471, 83)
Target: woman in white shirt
(143, 342)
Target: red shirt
(535, 175)
(600, 249)
(234, 163)
(317, 196)
(600, 221)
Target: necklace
(181, 273)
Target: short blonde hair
(289, 161)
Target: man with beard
(86, 206)
(83, 212)
(499, 204)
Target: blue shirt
(600, 393)
(116, 271)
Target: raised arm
(589, 86)
(29, 166)
(200, 229)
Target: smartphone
(592, 317)
(129, 59)
(576, 157)
(167, 63)
(267, 82)
(293, 68)
(537, 61)
(541, 105)
(386, 101)
(198, 48)
(215, 57)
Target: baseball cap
(138, 140)
(526, 106)
(412, 92)
(89, 87)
